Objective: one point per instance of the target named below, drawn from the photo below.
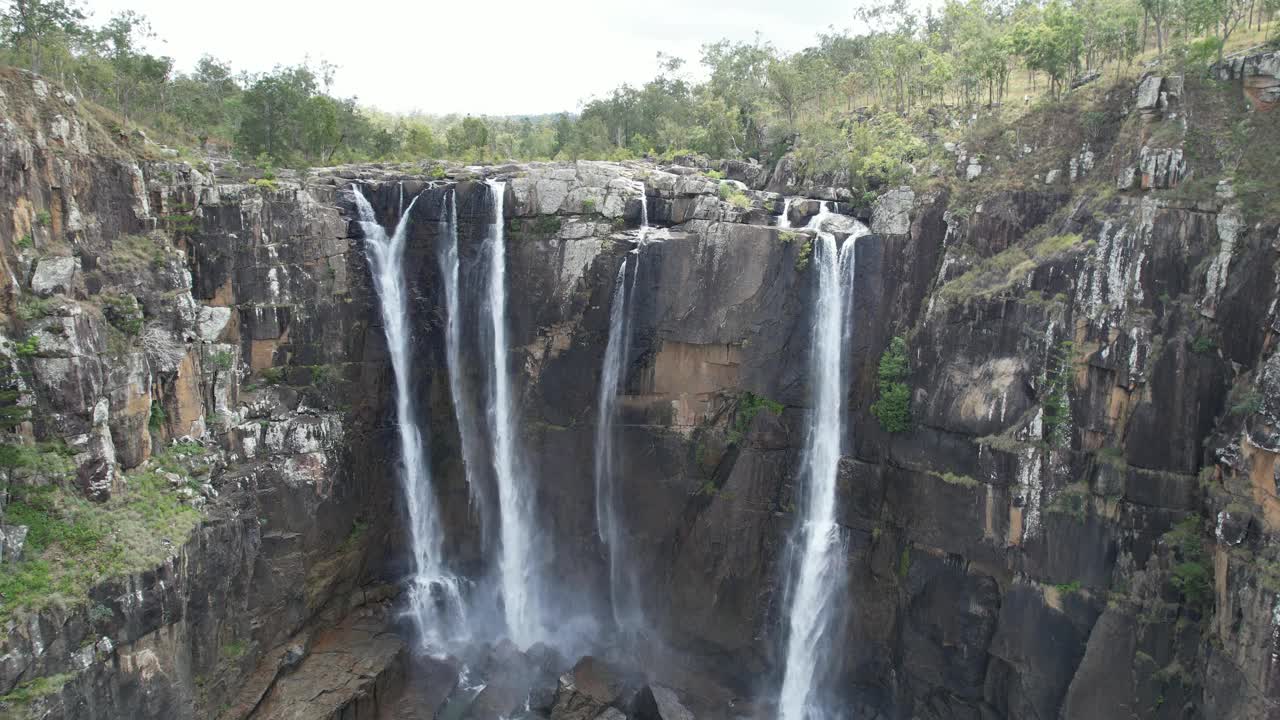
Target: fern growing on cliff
(893, 406)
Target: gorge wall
(1079, 522)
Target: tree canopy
(839, 106)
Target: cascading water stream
(468, 433)
(606, 414)
(818, 582)
(519, 578)
(623, 588)
(435, 597)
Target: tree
(273, 107)
(205, 101)
(419, 141)
(738, 77)
(1227, 15)
(134, 72)
(469, 136)
(1158, 11)
(1052, 44)
(35, 23)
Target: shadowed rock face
(1000, 565)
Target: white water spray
(818, 583)
(435, 597)
(520, 581)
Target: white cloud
(492, 57)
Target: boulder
(655, 702)
(1149, 93)
(55, 275)
(801, 211)
(13, 538)
(842, 225)
(584, 692)
(892, 212)
(212, 321)
(1085, 78)
(97, 473)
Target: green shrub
(748, 406)
(44, 219)
(273, 375)
(951, 478)
(100, 614)
(28, 348)
(740, 200)
(45, 458)
(1192, 576)
(29, 692)
(33, 308)
(1245, 401)
(804, 254)
(547, 225)
(893, 406)
(1056, 403)
(325, 375)
(588, 206)
(181, 224)
(222, 360)
(714, 174)
(156, 420)
(26, 242)
(1203, 345)
(998, 273)
(124, 313)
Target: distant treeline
(843, 105)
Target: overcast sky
(493, 57)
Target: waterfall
(784, 221)
(818, 582)
(435, 597)
(606, 415)
(519, 580)
(447, 255)
(644, 212)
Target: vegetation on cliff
(893, 406)
(72, 543)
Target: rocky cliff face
(1077, 524)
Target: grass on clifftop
(73, 544)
